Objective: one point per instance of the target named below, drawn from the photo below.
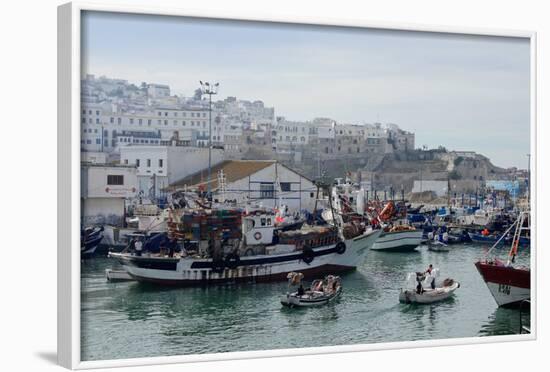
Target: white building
(104, 189)
(159, 166)
(158, 90)
(257, 181)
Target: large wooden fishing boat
(215, 249)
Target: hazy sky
(462, 92)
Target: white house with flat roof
(103, 191)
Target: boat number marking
(503, 288)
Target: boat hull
(399, 241)
(508, 286)
(295, 301)
(90, 246)
(429, 296)
(261, 268)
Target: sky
(463, 92)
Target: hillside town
(156, 140)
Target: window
(97, 112)
(83, 120)
(165, 122)
(113, 179)
(98, 141)
(137, 162)
(165, 114)
(148, 162)
(97, 120)
(119, 120)
(285, 186)
(112, 120)
(88, 142)
(125, 161)
(131, 121)
(84, 112)
(149, 122)
(160, 113)
(140, 121)
(266, 190)
(160, 163)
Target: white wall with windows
(273, 186)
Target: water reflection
(503, 321)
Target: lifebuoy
(340, 248)
(232, 260)
(308, 255)
(258, 235)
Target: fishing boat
(508, 283)
(419, 289)
(213, 248)
(480, 238)
(90, 238)
(398, 239)
(321, 291)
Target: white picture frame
(69, 73)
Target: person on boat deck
(138, 247)
(485, 232)
(172, 243)
(301, 290)
(429, 271)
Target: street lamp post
(210, 89)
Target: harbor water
(132, 320)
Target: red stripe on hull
(313, 273)
(520, 278)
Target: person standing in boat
(172, 244)
(429, 271)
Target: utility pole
(209, 89)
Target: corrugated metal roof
(233, 169)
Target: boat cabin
(258, 229)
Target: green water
(129, 319)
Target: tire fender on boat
(308, 255)
(341, 248)
(232, 260)
(218, 266)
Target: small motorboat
(117, 275)
(437, 246)
(321, 291)
(422, 288)
(90, 238)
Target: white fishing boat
(223, 252)
(437, 246)
(422, 288)
(321, 291)
(405, 240)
